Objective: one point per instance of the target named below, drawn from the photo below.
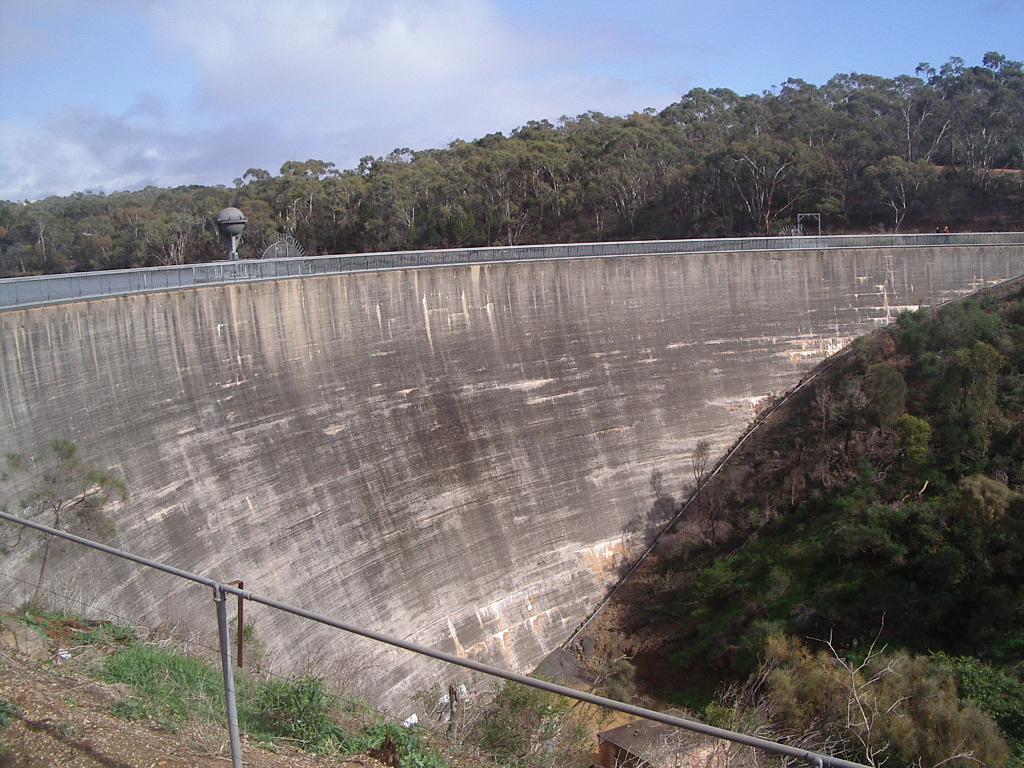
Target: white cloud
(265, 50)
(78, 149)
(333, 79)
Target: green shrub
(619, 680)
(8, 711)
(130, 709)
(410, 744)
(527, 728)
(915, 435)
(298, 710)
(995, 691)
(886, 392)
(891, 708)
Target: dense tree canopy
(882, 507)
(942, 147)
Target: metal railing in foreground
(50, 289)
(221, 590)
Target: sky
(114, 95)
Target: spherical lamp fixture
(230, 223)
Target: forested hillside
(862, 557)
(943, 147)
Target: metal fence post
(229, 678)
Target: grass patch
(174, 686)
(170, 688)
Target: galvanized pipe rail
(221, 590)
(18, 292)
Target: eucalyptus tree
(66, 493)
(634, 164)
(987, 104)
(899, 183)
(130, 224)
(500, 184)
(397, 204)
(864, 150)
(925, 118)
(770, 176)
(548, 177)
(697, 196)
(701, 120)
(297, 196)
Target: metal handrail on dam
(49, 289)
(221, 590)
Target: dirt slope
(62, 719)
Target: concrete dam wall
(459, 456)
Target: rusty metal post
(241, 620)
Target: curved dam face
(457, 456)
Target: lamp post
(230, 223)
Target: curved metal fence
(221, 590)
(48, 289)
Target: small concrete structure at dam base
(458, 456)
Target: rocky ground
(61, 718)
